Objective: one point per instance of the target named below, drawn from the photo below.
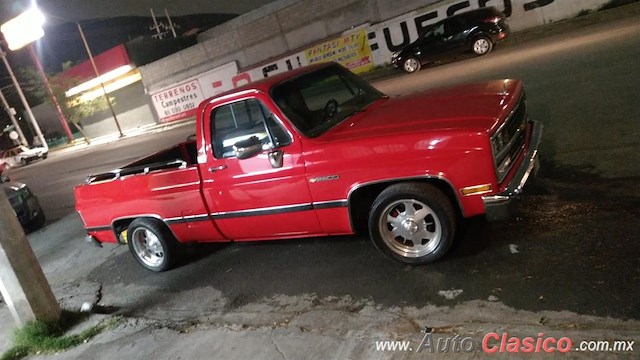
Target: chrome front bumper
(502, 206)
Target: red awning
(105, 62)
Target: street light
(22, 31)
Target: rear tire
(152, 244)
(413, 223)
(482, 45)
(411, 64)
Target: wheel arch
(120, 224)
(362, 196)
(475, 34)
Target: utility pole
(43, 141)
(95, 69)
(22, 283)
(156, 25)
(9, 111)
(173, 29)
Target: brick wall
(269, 31)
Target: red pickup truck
(318, 151)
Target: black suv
(476, 31)
(24, 203)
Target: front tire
(411, 64)
(152, 244)
(412, 223)
(482, 45)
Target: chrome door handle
(217, 168)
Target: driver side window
(242, 120)
(438, 30)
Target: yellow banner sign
(352, 51)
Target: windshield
(317, 101)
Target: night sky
(62, 42)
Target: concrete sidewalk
(290, 327)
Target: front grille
(508, 140)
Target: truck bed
(165, 185)
(177, 156)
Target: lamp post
(95, 69)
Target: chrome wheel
(147, 247)
(411, 65)
(410, 228)
(482, 46)
(413, 223)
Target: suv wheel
(482, 45)
(411, 64)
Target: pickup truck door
(264, 195)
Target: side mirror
(247, 148)
(4, 179)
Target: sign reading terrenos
(179, 101)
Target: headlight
(395, 55)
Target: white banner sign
(177, 101)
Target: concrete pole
(36, 127)
(22, 283)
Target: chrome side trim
(281, 209)
(330, 204)
(262, 211)
(231, 214)
(97, 228)
(186, 219)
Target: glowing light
(106, 77)
(23, 29)
(112, 86)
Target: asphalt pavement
(272, 323)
